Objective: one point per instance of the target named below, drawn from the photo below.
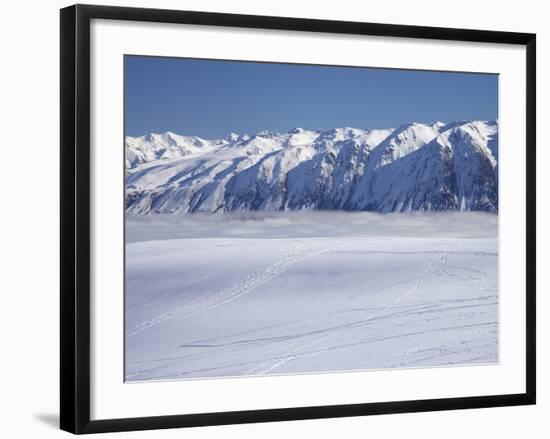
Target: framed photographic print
(268, 218)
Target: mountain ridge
(416, 166)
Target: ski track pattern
(211, 300)
(292, 355)
(303, 344)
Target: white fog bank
(468, 225)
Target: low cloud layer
(311, 224)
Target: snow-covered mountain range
(414, 167)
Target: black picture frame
(75, 217)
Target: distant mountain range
(415, 167)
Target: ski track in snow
(266, 349)
(211, 300)
(292, 355)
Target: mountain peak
(297, 130)
(429, 166)
(232, 137)
(437, 124)
(266, 133)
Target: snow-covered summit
(434, 166)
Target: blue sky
(212, 98)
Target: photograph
(286, 218)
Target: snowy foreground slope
(434, 167)
(291, 293)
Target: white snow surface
(257, 294)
